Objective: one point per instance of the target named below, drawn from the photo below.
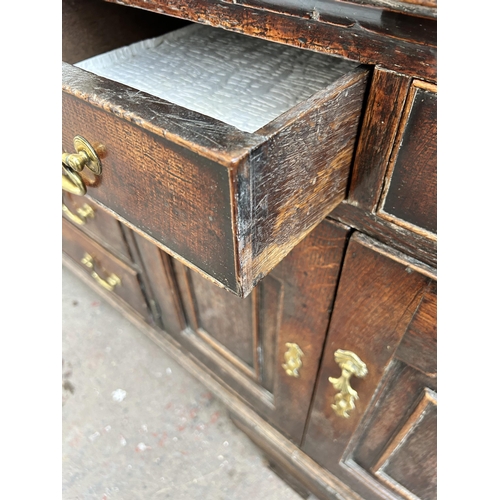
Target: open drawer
(228, 202)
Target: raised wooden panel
(408, 464)
(418, 347)
(410, 196)
(243, 341)
(383, 298)
(225, 318)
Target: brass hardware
(83, 213)
(351, 365)
(292, 360)
(72, 182)
(86, 156)
(109, 283)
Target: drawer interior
(240, 80)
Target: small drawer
(108, 271)
(231, 194)
(95, 222)
(410, 195)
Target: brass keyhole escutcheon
(350, 365)
(73, 163)
(293, 361)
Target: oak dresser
(291, 265)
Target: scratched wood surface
(384, 107)
(227, 203)
(383, 298)
(364, 33)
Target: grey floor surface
(137, 426)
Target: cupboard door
(267, 346)
(373, 418)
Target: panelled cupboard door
(267, 346)
(373, 417)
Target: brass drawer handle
(83, 213)
(350, 365)
(292, 360)
(72, 182)
(86, 156)
(109, 283)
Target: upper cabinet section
(228, 197)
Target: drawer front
(104, 267)
(227, 203)
(94, 221)
(373, 419)
(266, 346)
(410, 195)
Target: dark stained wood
(162, 189)
(230, 205)
(291, 460)
(76, 244)
(409, 463)
(235, 207)
(164, 294)
(226, 318)
(418, 348)
(379, 293)
(270, 310)
(102, 227)
(105, 27)
(388, 91)
(402, 388)
(411, 191)
(425, 8)
(363, 33)
(405, 240)
(307, 161)
(302, 288)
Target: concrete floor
(137, 426)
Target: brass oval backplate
(350, 365)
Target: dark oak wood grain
(301, 289)
(379, 293)
(165, 297)
(76, 244)
(363, 33)
(410, 196)
(400, 238)
(386, 99)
